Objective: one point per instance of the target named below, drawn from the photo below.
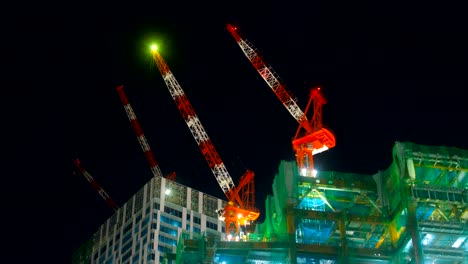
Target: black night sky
(391, 72)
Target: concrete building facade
(146, 228)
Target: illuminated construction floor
(415, 211)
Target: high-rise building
(146, 228)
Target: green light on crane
(154, 47)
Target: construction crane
(311, 137)
(141, 137)
(240, 209)
(96, 186)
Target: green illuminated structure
(415, 211)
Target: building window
(127, 228)
(147, 210)
(163, 249)
(168, 230)
(127, 238)
(103, 249)
(172, 211)
(138, 218)
(126, 247)
(135, 259)
(126, 256)
(144, 232)
(145, 221)
(167, 240)
(211, 225)
(137, 248)
(170, 221)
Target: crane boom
(141, 136)
(96, 186)
(191, 119)
(271, 78)
(311, 138)
(240, 209)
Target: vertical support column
(412, 227)
(162, 196)
(200, 202)
(189, 198)
(157, 257)
(121, 215)
(411, 221)
(101, 240)
(155, 233)
(133, 208)
(203, 223)
(145, 201)
(124, 213)
(191, 224)
(220, 223)
(107, 234)
(151, 194)
(406, 178)
(220, 204)
(291, 234)
(344, 243)
(184, 218)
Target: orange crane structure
(240, 209)
(311, 137)
(96, 186)
(141, 137)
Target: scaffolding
(415, 211)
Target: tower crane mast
(96, 186)
(240, 209)
(141, 136)
(311, 137)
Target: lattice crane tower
(240, 209)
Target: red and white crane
(311, 137)
(240, 209)
(96, 186)
(141, 137)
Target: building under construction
(415, 211)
